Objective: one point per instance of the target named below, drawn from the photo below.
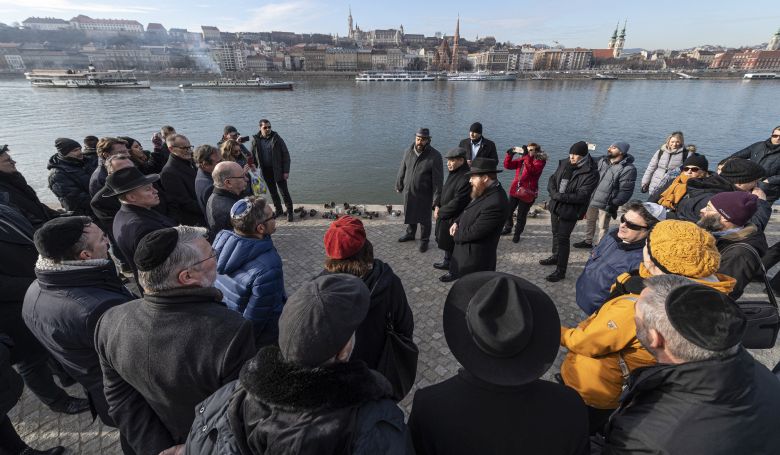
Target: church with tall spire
(617, 41)
(455, 49)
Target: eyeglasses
(531, 150)
(214, 254)
(242, 177)
(272, 217)
(185, 147)
(630, 225)
(691, 169)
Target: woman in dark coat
(528, 162)
(348, 251)
(69, 177)
(570, 188)
(455, 196)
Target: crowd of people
(158, 289)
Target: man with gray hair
(707, 394)
(178, 182)
(230, 183)
(163, 354)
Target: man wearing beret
(69, 177)
(163, 354)
(477, 145)
(707, 394)
(420, 178)
(727, 217)
(306, 393)
(76, 283)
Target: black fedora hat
(127, 179)
(423, 132)
(501, 328)
(457, 152)
(484, 166)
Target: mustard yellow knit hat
(682, 248)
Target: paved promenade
(300, 245)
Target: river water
(346, 139)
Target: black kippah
(707, 318)
(155, 248)
(55, 238)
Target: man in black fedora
(135, 218)
(477, 231)
(420, 178)
(504, 332)
(477, 145)
(455, 196)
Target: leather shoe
(552, 260)
(447, 277)
(583, 245)
(290, 217)
(406, 238)
(506, 230)
(72, 405)
(516, 238)
(555, 276)
(443, 265)
(423, 246)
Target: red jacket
(528, 171)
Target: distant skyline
(662, 24)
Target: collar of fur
(272, 380)
(48, 265)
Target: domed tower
(621, 41)
(612, 40)
(774, 43)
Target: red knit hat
(345, 237)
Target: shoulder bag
(398, 362)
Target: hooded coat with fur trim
(278, 407)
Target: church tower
(455, 50)
(612, 40)
(621, 41)
(349, 20)
(774, 43)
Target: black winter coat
(420, 179)
(62, 309)
(700, 191)
(573, 202)
(204, 186)
(486, 150)
(69, 181)
(455, 196)
(132, 223)
(280, 156)
(23, 197)
(106, 208)
(278, 407)
(162, 355)
(178, 183)
(98, 178)
(11, 384)
(479, 229)
(218, 211)
(768, 156)
(90, 158)
(712, 407)
(738, 262)
(465, 415)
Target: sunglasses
(691, 169)
(775, 136)
(630, 225)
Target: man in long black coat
(420, 178)
(477, 231)
(455, 196)
(477, 145)
(178, 181)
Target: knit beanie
(699, 161)
(683, 248)
(740, 170)
(65, 145)
(736, 206)
(345, 237)
(580, 148)
(476, 127)
(622, 146)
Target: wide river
(346, 138)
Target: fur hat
(345, 237)
(683, 248)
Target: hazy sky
(651, 24)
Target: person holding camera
(528, 162)
(570, 188)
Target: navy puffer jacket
(69, 181)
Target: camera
(243, 139)
(591, 147)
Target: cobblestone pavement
(300, 244)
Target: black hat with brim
(127, 179)
(457, 152)
(503, 329)
(484, 166)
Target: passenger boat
(254, 84)
(482, 76)
(401, 76)
(604, 77)
(85, 79)
(760, 76)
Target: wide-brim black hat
(503, 329)
(484, 166)
(127, 179)
(457, 152)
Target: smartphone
(591, 147)
(243, 139)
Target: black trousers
(425, 233)
(522, 214)
(282, 186)
(561, 243)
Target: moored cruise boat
(255, 84)
(760, 76)
(85, 79)
(482, 76)
(401, 76)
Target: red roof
(603, 53)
